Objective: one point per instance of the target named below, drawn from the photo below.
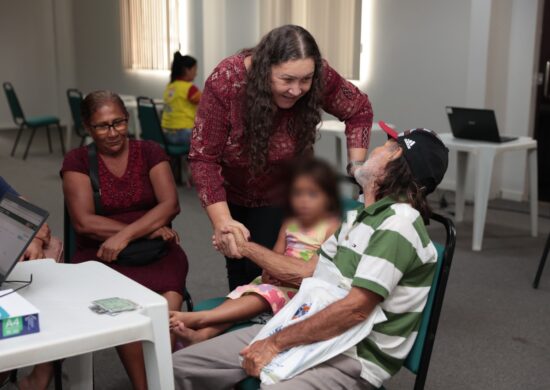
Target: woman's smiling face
(291, 80)
(109, 128)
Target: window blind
(152, 30)
(335, 24)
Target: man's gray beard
(368, 175)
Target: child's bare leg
(191, 336)
(230, 311)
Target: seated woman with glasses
(138, 200)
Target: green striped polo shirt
(385, 248)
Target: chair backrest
(13, 101)
(74, 96)
(418, 359)
(149, 121)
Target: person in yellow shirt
(181, 98)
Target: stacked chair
(34, 123)
(74, 96)
(152, 130)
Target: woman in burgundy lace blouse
(259, 110)
(139, 200)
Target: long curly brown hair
(398, 182)
(282, 44)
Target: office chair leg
(60, 130)
(542, 263)
(49, 139)
(19, 132)
(29, 143)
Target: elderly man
(383, 248)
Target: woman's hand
(166, 233)
(225, 243)
(109, 250)
(35, 250)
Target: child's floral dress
(300, 243)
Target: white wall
(425, 54)
(28, 57)
(228, 27)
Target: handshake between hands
(230, 238)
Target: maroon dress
(126, 199)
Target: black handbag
(138, 252)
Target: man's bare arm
(289, 270)
(330, 322)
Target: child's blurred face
(191, 73)
(307, 199)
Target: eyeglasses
(117, 125)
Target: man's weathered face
(375, 166)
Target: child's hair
(180, 64)
(323, 175)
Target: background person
(181, 98)
(385, 252)
(260, 109)
(139, 200)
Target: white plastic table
(486, 153)
(69, 329)
(337, 129)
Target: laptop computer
(19, 223)
(475, 124)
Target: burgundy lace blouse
(219, 163)
(126, 199)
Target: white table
(69, 329)
(337, 129)
(486, 153)
(130, 102)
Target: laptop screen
(19, 222)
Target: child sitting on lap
(314, 206)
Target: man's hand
(268, 279)
(258, 355)
(224, 242)
(109, 250)
(34, 250)
(239, 239)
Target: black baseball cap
(425, 153)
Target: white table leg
(485, 161)
(157, 352)
(461, 169)
(533, 190)
(80, 370)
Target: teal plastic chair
(33, 123)
(74, 97)
(152, 130)
(418, 360)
